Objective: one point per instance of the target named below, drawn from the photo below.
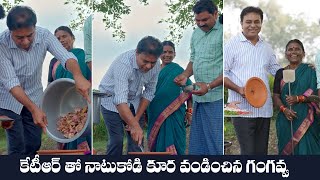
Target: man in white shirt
(23, 47)
(248, 55)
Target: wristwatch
(208, 86)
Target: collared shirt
(23, 68)
(207, 55)
(243, 60)
(87, 33)
(127, 83)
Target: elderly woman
(56, 71)
(167, 110)
(302, 114)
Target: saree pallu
(310, 141)
(166, 130)
(59, 72)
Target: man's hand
(203, 89)
(181, 80)
(39, 118)
(136, 133)
(83, 87)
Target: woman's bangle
(298, 100)
(301, 98)
(282, 108)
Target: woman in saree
(167, 111)
(56, 71)
(297, 108)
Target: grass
(3, 142)
(46, 142)
(234, 149)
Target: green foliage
(182, 17)
(100, 131)
(83, 9)
(280, 28)
(7, 4)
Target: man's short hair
(204, 5)
(21, 17)
(251, 9)
(150, 45)
(2, 13)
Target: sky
(50, 14)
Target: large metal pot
(96, 105)
(60, 98)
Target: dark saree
(56, 71)
(306, 129)
(166, 113)
(80, 54)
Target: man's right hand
(136, 133)
(40, 118)
(181, 80)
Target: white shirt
(23, 68)
(127, 83)
(243, 60)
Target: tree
(7, 5)
(182, 17)
(113, 11)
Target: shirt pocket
(211, 50)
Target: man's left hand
(83, 87)
(203, 89)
